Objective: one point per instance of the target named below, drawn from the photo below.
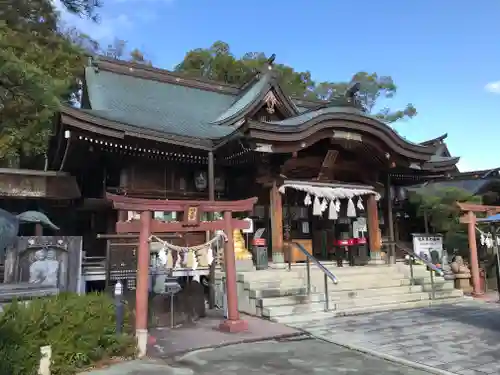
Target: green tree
(137, 56)
(219, 64)
(39, 67)
(439, 207)
(119, 50)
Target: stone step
(444, 285)
(353, 282)
(338, 295)
(345, 305)
(301, 272)
(300, 320)
(354, 303)
(288, 289)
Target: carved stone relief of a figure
(45, 269)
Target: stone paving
(462, 338)
(294, 356)
(167, 342)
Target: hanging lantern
(402, 194)
(200, 180)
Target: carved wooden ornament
(192, 216)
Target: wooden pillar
(38, 229)
(142, 287)
(211, 176)
(391, 256)
(276, 214)
(233, 323)
(474, 261)
(122, 215)
(373, 228)
(211, 197)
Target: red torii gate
(470, 219)
(191, 223)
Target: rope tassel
(332, 211)
(210, 255)
(316, 207)
(360, 204)
(337, 205)
(307, 200)
(351, 210)
(324, 205)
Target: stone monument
(45, 261)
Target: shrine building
(324, 173)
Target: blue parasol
(9, 225)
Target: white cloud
(106, 29)
(493, 87)
(463, 166)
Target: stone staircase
(281, 295)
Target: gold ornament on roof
(270, 101)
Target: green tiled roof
(302, 109)
(304, 117)
(471, 186)
(159, 106)
(246, 99)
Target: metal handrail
(411, 253)
(430, 266)
(326, 272)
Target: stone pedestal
(278, 260)
(244, 265)
(376, 257)
(463, 284)
(243, 257)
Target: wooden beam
(157, 226)
(326, 169)
(121, 202)
(475, 207)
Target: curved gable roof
(352, 118)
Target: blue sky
(443, 55)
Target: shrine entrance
(469, 218)
(191, 221)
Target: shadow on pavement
(480, 314)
